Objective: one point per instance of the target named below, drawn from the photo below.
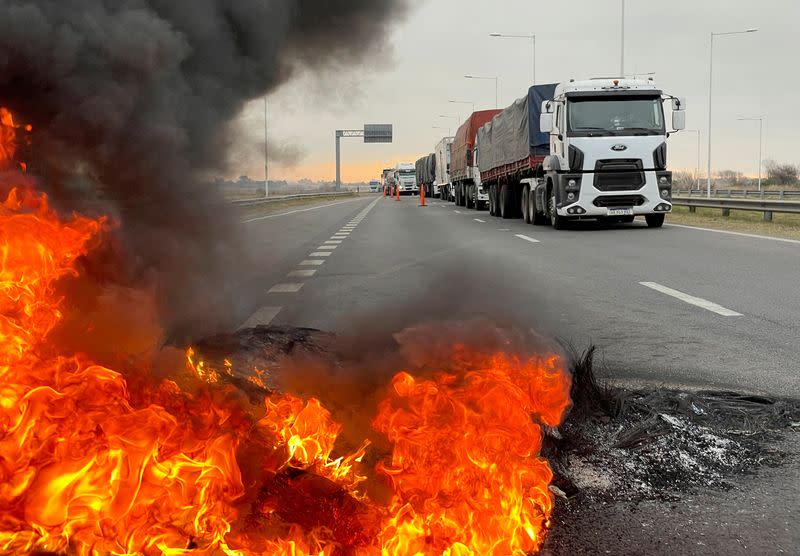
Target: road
(673, 306)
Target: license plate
(620, 212)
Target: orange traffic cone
(422, 196)
(397, 190)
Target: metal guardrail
(744, 193)
(277, 198)
(766, 206)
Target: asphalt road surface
(674, 306)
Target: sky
(440, 41)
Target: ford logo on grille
(619, 148)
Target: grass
(750, 222)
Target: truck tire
(537, 218)
(558, 222)
(526, 214)
(654, 220)
(468, 196)
(506, 202)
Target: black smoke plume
(131, 103)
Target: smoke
(132, 104)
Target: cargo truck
(442, 178)
(425, 169)
(388, 180)
(591, 149)
(464, 173)
(405, 179)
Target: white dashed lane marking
(312, 262)
(320, 254)
(302, 273)
(692, 300)
(263, 316)
(327, 247)
(527, 238)
(479, 220)
(293, 287)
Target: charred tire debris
(615, 445)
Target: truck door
(557, 138)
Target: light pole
(711, 88)
(531, 38)
(760, 142)
(266, 152)
(697, 171)
(496, 86)
(456, 117)
(472, 104)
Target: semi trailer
(591, 149)
(442, 177)
(464, 173)
(425, 169)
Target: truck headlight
(663, 180)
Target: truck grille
(619, 174)
(619, 201)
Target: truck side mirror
(546, 122)
(678, 120)
(678, 104)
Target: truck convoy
(592, 149)
(464, 173)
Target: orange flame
(93, 464)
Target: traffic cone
(422, 196)
(397, 190)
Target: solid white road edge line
(742, 234)
(296, 211)
(692, 300)
(479, 220)
(527, 238)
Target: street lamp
(710, 90)
(760, 142)
(531, 38)
(622, 42)
(697, 171)
(472, 104)
(266, 151)
(496, 86)
(456, 117)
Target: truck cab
(405, 177)
(608, 151)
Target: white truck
(441, 184)
(405, 177)
(591, 149)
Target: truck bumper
(590, 202)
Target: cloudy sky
(440, 41)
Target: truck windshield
(598, 116)
(408, 174)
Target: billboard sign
(377, 133)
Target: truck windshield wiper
(639, 130)
(590, 129)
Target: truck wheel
(506, 206)
(467, 197)
(654, 220)
(558, 222)
(537, 218)
(526, 215)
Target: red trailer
(464, 173)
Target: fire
(92, 463)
